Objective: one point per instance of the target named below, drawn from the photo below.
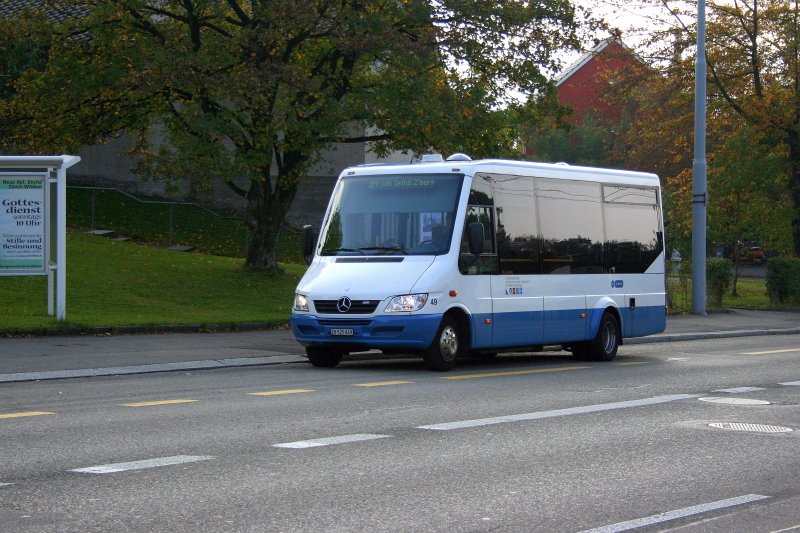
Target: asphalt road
(522, 443)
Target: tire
(324, 357)
(605, 344)
(448, 345)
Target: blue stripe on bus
(558, 327)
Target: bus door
(516, 289)
(477, 270)
(518, 311)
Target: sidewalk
(36, 358)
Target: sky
(635, 18)
(627, 15)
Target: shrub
(783, 280)
(718, 275)
(679, 286)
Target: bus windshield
(408, 214)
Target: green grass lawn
(217, 232)
(751, 294)
(111, 284)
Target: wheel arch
(605, 305)
(464, 319)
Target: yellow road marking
(773, 351)
(633, 363)
(28, 413)
(516, 372)
(279, 392)
(381, 383)
(157, 402)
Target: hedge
(783, 280)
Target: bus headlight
(406, 303)
(300, 302)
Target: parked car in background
(749, 253)
(755, 255)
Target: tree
(755, 68)
(250, 92)
(17, 53)
(751, 202)
(753, 72)
(587, 143)
(750, 116)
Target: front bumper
(404, 331)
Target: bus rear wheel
(448, 345)
(605, 344)
(324, 357)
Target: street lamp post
(699, 189)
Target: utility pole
(699, 188)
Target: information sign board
(23, 232)
(33, 222)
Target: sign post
(33, 222)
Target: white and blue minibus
(458, 257)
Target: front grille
(357, 307)
(338, 322)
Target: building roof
(57, 11)
(588, 56)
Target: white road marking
(139, 465)
(327, 441)
(733, 401)
(5, 484)
(678, 513)
(447, 426)
(791, 384)
(737, 390)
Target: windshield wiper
(337, 250)
(395, 248)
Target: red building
(585, 85)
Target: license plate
(342, 331)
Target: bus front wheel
(323, 357)
(604, 345)
(448, 345)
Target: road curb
(676, 337)
(179, 366)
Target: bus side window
(518, 246)
(633, 236)
(487, 262)
(571, 218)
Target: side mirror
(308, 243)
(476, 238)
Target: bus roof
(503, 166)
